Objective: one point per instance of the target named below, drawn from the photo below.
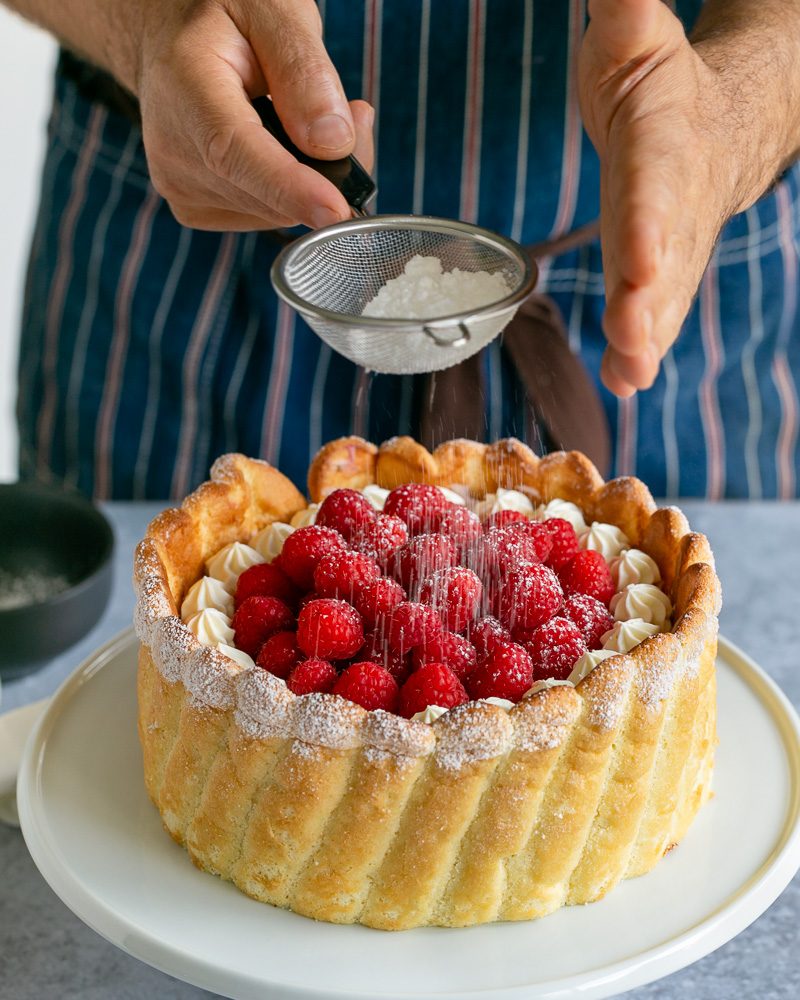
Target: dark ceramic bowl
(55, 573)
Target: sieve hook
(444, 342)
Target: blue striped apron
(148, 349)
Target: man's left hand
(672, 135)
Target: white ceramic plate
(99, 843)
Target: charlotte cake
(475, 770)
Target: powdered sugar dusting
(209, 675)
(545, 720)
(605, 691)
(172, 644)
(399, 762)
(658, 662)
(152, 600)
(264, 705)
(328, 720)
(473, 731)
(386, 731)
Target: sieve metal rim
(328, 234)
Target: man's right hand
(199, 64)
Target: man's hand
(194, 65)
(208, 153)
(683, 138)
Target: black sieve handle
(346, 174)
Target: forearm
(107, 32)
(754, 48)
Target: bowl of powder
(55, 573)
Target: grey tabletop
(45, 951)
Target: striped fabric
(148, 349)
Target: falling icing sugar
(424, 291)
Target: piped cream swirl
(642, 600)
(207, 593)
(633, 566)
(625, 635)
(269, 541)
(564, 509)
(607, 539)
(211, 627)
(232, 560)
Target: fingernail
(322, 216)
(653, 353)
(647, 324)
(330, 132)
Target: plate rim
(740, 909)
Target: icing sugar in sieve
(404, 294)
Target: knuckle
(218, 149)
(306, 67)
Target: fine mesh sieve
(329, 275)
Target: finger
(364, 119)
(628, 319)
(612, 381)
(638, 371)
(286, 36)
(214, 219)
(647, 190)
(235, 146)
(626, 31)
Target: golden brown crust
(346, 463)
(349, 816)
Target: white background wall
(26, 60)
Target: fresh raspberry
(554, 647)
(535, 532)
(587, 573)
(502, 519)
(343, 573)
(312, 675)
(347, 512)
(565, 541)
(455, 593)
(304, 548)
(381, 537)
(590, 615)
(463, 527)
(432, 684)
(505, 672)
(377, 599)
(419, 506)
(420, 558)
(329, 629)
(412, 624)
(507, 549)
(530, 596)
(265, 580)
(279, 654)
(486, 634)
(376, 650)
(369, 685)
(256, 619)
(453, 650)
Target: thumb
(628, 30)
(286, 36)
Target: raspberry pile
(422, 604)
